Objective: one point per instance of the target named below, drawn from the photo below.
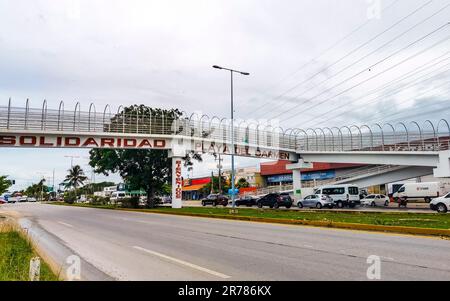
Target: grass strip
(15, 255)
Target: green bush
(132, 202)
(99, 200)
(70, 197)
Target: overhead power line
(345, 56)
(302, 67)
(369, 68)
(379, 112)
(374, 51)
(383, 88)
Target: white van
(342, 195)
(419, 191)
(116, 196)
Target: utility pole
(219, 166)
(233, 149)
(212, 183)
(53, 184)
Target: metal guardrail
(387, 137)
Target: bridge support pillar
(443, 169)
(177, 153)
(297, 176)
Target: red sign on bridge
(72, 141)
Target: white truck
(420, 191)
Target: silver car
(318, 201)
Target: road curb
(13, 222)
(323, 224)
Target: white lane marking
(66, 224)
(308, 246)
(387, 258)
(182, 262)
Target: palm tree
(75, 178)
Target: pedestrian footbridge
(425, 146)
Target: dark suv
(248, 201)
(275, 200)
(215, 199)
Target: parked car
(374, 200)
(31, 199)
(316, 201)
(248, 201)
(441, 204)
(167, 200)
(342, 195)
(22, 199)
(215, 199)
(275, 200)
(3, 201)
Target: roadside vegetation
(406, 219)
(15, 255)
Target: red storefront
(192, 188)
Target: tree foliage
(93, 187)
(148, 169)
(38, 190)
(224, 186)
(242, 183)
(4, 184)
(75, 178)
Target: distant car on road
(215, 199)
(31, 199)
(167, 200)
(275, 200)
(248, 201)
(117, 196)
(375, 200)
(16, 199)
(441, 204)
(22, 199)
(318, 201)
(3, 201)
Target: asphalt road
(141, 246)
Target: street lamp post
(233, 199)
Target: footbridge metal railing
(401, 136)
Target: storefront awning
(193, 187)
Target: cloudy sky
(312, 63)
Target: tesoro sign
(56, 141)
